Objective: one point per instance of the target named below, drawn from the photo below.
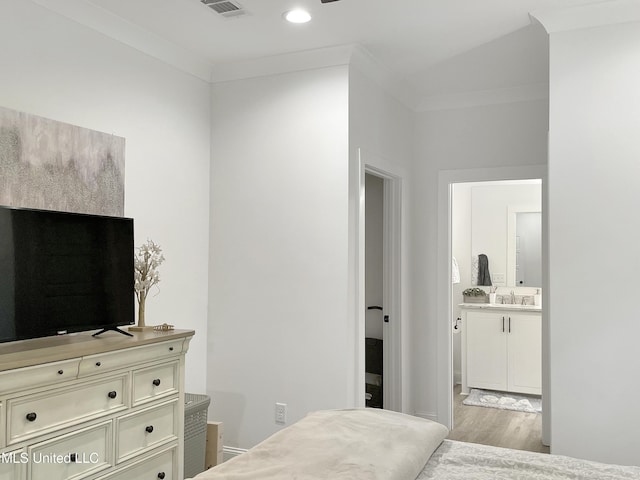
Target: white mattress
(468, 461)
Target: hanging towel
(455, 271)
(484, 277)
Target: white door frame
(444, 310)
(392, 285)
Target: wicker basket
(195, 433)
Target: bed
(374, 444)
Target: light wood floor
(500, 428)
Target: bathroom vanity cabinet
(502, 348)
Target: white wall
(282, 318)
(279, 248)
(381, 136)
(595, 237)
(57, 69)
(512, 134)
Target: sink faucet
(513, 298)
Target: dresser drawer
(103, 362)
(159, 466)
(155, 382)
(45, 374)
(72, 456)
(146, 429)
(13, 465)
(32, 415)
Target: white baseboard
(427, 415)
(230, 452)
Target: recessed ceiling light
(297, 16)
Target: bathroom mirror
(485, 222)
(524, 247)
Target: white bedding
(469, 461)
(358, 444)
(374, 444)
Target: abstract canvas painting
(52, 165)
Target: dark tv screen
(63, 272)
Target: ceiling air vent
(225, 8)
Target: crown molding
(370, 67)
(119, 29)
(355, 56)
(524, 93)
(597, 14)
(106, 23)
(284, 63)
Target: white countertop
(501, 306)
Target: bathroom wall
(490, 206)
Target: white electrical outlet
(498, 278)
(281, 413)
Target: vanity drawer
(72, 456)
(160, 466)
(45, 374)
(155, 382)
(103, 362)
(32, 415)
(146, 429)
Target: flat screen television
(64, 272)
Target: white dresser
(502, 348)
(81, 407)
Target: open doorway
(497, 335)
(379, 296)
(374, 291)
(445, 374)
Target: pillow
(356, 444)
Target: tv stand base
(115, 329)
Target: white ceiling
(439, 47)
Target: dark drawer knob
(156, 382)
(112, 394)
(60, 372)
(161, 475)
(149, 429)
(98, 364)
(171, 349)
(32, 416)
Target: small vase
(141, 327)
(141, 313)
